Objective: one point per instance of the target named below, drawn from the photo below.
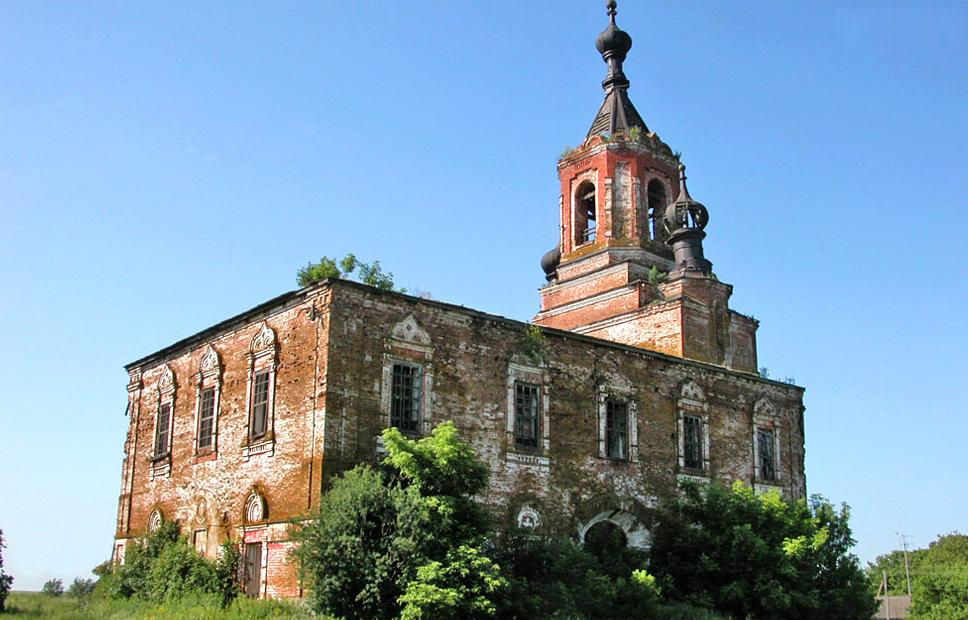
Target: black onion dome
(684, 212)
(550, 261)
(617, 114)
(613, 40)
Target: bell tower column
(629, 266)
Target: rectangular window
(206, 418)
(405, 397)
(765, 447)
(616, 429)
(162, 430)
(526, 414)
(692, 441)
(260, 404)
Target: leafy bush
(53, 587)
(413, 530)
(163, 567)
(348, 267)
(81, 588)
(759, 556)
(558, 578)
(939, 577)
(6, 581)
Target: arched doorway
(637, 536)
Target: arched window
(657, 204)
(585, 214)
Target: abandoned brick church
(641, 377)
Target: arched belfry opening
(586, 226)
(657, 200)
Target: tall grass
(36, 605)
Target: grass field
(37, 605)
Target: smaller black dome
(684, 213)
(549, 262)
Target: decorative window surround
(411, 345)
(619, 389)
(766, 416)
(263, 356)
(528, 518)
(692, 402)
(155, 519)
(520, 372)
(209, 378)
(256, 508)
(164, 416)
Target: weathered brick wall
(335, 344)
(209, 492)
(568, 483)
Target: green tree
(414, 532)
(53, 587)
(6, 581)
(348, 267)
(81, 588)
(759, 556)
(940, 580)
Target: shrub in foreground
(552, 577)
(163, 567)
(759, 556)
(416, 536)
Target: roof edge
(304, 292)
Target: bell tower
(629, 265)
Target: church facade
(634, 377)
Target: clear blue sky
(164, 165)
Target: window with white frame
(263, 353)
(207, 396)
(163, 430)
(617, 420)
(527, 414)
(405, 398)
(407, 381)
(260, 404)
(766, 442)
(616, 429)
(693, 430)
(164, 417)
(527, 411)
(692, 442)
(766, 458)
